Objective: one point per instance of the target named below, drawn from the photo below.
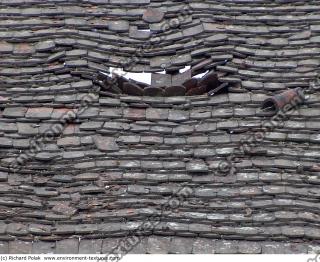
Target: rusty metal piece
(284, 101)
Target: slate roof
(120, 160)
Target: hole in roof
(141, 77)
(201, 79)
(162, 72)
(201, 74)
(186, 68)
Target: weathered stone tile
(114, 246)
(158, 245)
(86, 229)
(183, 130)
(203, 246)
(151, 164)
(246, 247)
(250, 177)
(91, 126)
(225, 247)
(92, 189)
(161, 129)
(90, 112)
(64, 229)
(276, 248)
(56, 56)
(4, 247)
(313, 249)
(153, 15)
(27, 129)
(109, 228)
(3, 228)
(181, 245)
(63, 113)
(23, 49)
(205, 192)
(205, 127)
(20, 247)
(200, 228)
(154, 114)
(200, 114)
(69, 141)
(116, 126)
(43, 247)
(118, 26)
(107, 163)
(8, 127)
(73, 155)
(157, 177)
(135, 114)
(14, 112)
(197, 140)
(292, 231)
(270, 177)
(39, 113)
(197, 166)
(5, 142)
(111, 112)
(178, 115)
(105, 144)
(6, 47)
(175, 141)
(137, 190)
(17, 229)
(140, 246)
(3, 176)
(151, 140)
(175, 165)
(45, 192)
(161, 190)
(67, 246)
(312, 233)
(129, 164)
(45, 46)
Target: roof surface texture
(81, 172)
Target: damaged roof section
(265, 49)
(178, 84)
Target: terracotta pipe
(285, 100)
